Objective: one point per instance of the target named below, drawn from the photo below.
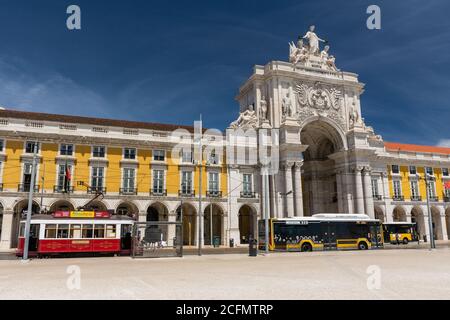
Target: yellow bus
(322, 232)
(400, 232)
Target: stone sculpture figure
(248, 117)
(327, 59)
(353, 117)
(263, 109)
(313, 40)
(286, 106)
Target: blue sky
(170, 61)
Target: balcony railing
(158, 192)
(214, 194)
(186, 193)
(1, 187)
(97, 190)
(398, 198)
(128, 191)
(248, 194)
(416, 198)
(62, 189)
(446, 198)
(26, 188)
(434, 198)
(377, 197)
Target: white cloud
(28, 89)
(444, 143)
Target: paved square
(405, 274)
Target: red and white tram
(70, 232)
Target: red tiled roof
(393, 146)
(87, 120)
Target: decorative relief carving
(319, 100)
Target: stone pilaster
(5, 240)
(359, 193)
(298, 192)
(339, 191)
(288, 189)
(368, 196)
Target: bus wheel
(362, 246)
(405, 240)
(306, 247)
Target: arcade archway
(418, 217)
(379, 214)
(447, 221)
(189, 223)
(437, 224)
(247, 223)
(319, 177)
(399, 214)
(20, 210)
(127, 209)
(62, 205)
(215, 212)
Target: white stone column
(339, 193)
(298, 192)
(288, 188)
(349, 187)
(5, 240)
(444, 227)
(359, 193)
(171, 229)
(368, 196)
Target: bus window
(99, 231)
(63, 231)
(87, 231)
(75, 230)
(22, 230)
(50, 231)
(110, 231)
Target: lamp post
(430, 219)
(30, 203)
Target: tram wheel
(306, 247)
(405, 241)
(362, 246)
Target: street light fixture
(428, 180)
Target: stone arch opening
(158, 212)
(98, 206)
(62, 205)
(437, 225)
(319, 178)
(418, 217)
(127, 209)
(189, 223)
(19, 212)
(447, 221)
(399, 214)
(1, 219)
(379, 213)
(247, 223)
(213, 223)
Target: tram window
(22, 230)
(75, 231)
(50, 231)
(110, 231)
(99, 231)
(87, 231)
(63, 231)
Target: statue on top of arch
(309, 54)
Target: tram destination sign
(81, 214)
(302, 222)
